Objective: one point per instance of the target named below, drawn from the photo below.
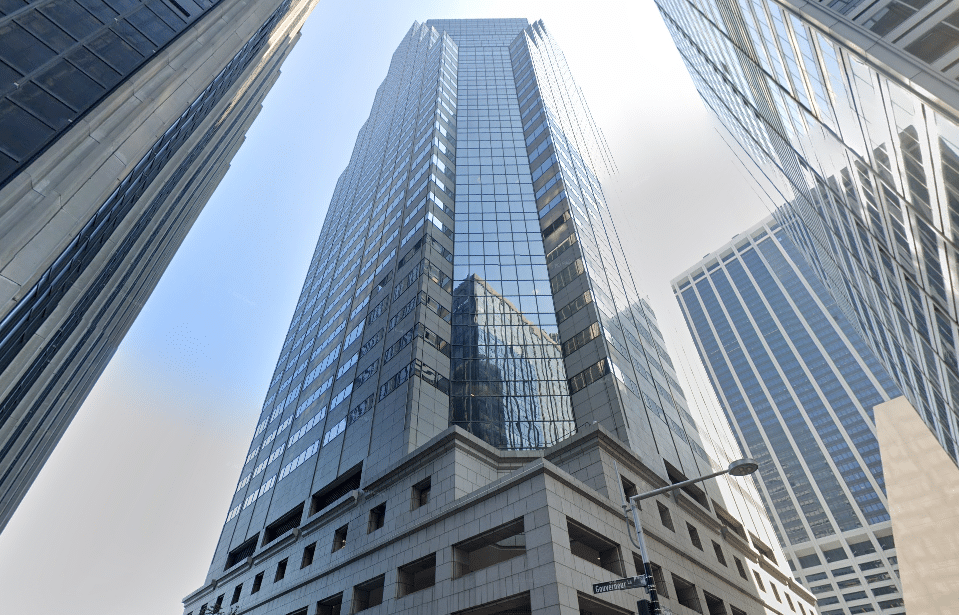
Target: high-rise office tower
(848, 112)
(468, 364)
(118, 118)
(799, 386)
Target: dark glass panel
(94, 66)
(7, 165)
(889, 18)
(21, 134)
(22, 50)
(167, 15)
(122, 6)
(99, 9)
(147, 22)
(42, 105)
(46, 30)
(7, 77)
(67, 83)
(134, 37)
(939, 41)
(109, 46)
(9, 6)
(71, 17)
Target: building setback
(117, 121)
(849, 114)
(468, 365)
(799, 386)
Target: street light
(740, 467)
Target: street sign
(618, 584)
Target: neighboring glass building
(118, 118)
(467, 324)
(859, 136)
(799, 386)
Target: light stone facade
(476, 488)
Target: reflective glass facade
(107, 155)
(467, 275)
(799, 385)
(865, 162)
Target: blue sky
(125, 516)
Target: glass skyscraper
(799, 386)
(848, 113)
(467, 324)
(118, 118)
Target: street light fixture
(740, 467)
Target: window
(835, 555)
(694, 536)
(257, 582)
(736, 610)
(489, 548)
(219, 603)
(789, 601)
(283, 525)
(862, 548)
(421, 493)
(875, 578)
(236, 594)
(686, 594)
(308, 552)
(675, 476)
(665, 518)
(330, 606)
(741, 568)
(886, 542)
(840, 572)
(280, 571)
(775, 591)
(377, 518)
(240, 553)
(808, 561)
(719, 553)
(339, 538)
(337, 489)
(629, 489)
(848, 583)
(714, 606)
(759, 581)
(369, 594)
(862, 608)
(595, 548)
(819, 576)
(416, 576)
(762, 547)
(884, 591)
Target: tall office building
(799, 386)
(847, 112)
(467, 366)
(118, 118)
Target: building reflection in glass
(508, 381)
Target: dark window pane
(7, 165)
(67, 83)
(147, 22)
(134, 37)
(115, 52)
(889, 18)
(167, 15)
(46, 30)
(21, 134)
(940, 40)
(42, 105)
(9, 6)
(94, 66)
(99, 9)
(122, 6)
(7, 77)
(68, 15)
(22, 50)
